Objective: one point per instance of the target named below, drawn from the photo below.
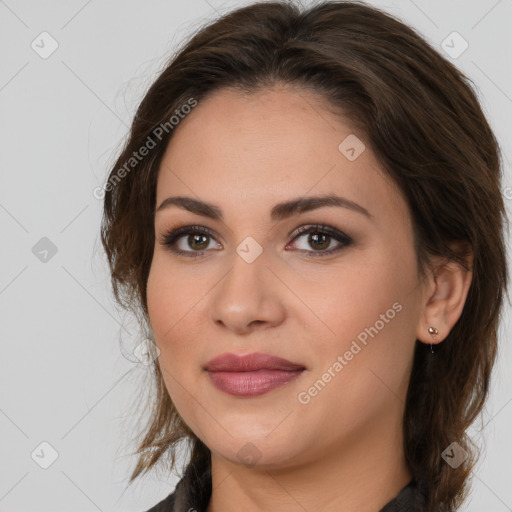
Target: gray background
(64, 380)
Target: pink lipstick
(251, 375)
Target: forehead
(249, 151)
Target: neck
(363, 473)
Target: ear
(446, 291)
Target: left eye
(319, 237)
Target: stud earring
(433, 332)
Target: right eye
(197, 238)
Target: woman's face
(342, 302)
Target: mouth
(250, 362)
(252, 374)
(247, 384)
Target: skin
(342, 451)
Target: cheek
(371, 309)
(361, 370)
(174, 308)
(370, 291)
(157, 291)
(167, 308)
(170, 297)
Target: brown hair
(422, 120)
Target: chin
(263, 451)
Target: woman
(307, 214)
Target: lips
(250, 362)
(252, 374)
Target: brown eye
(194, 240)
(320, 238)
(319, 241)
(200, 240)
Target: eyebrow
(279, 212)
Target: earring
(433, 332)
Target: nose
(249, 297)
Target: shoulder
(411, 498)
(166, 505)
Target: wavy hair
(421, 118)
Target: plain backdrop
(71, 76)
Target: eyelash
(169, 239)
